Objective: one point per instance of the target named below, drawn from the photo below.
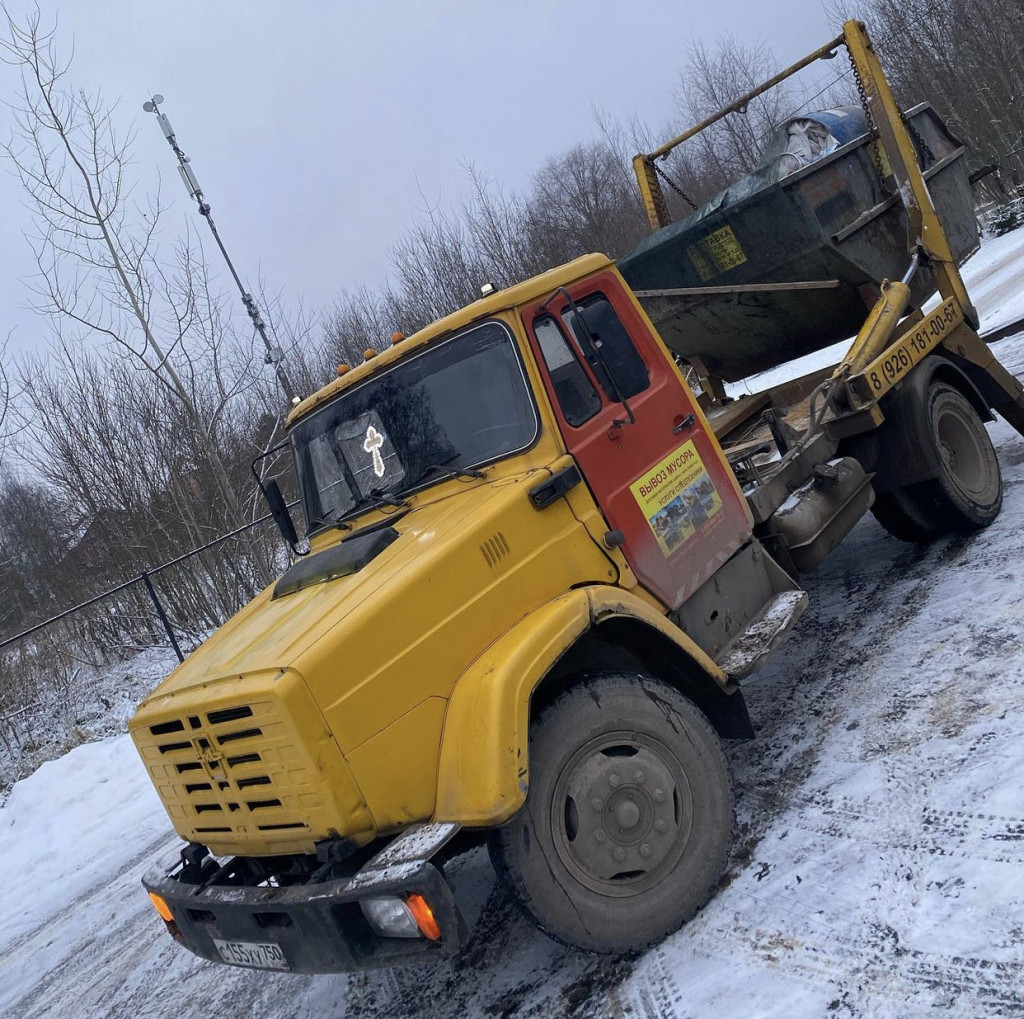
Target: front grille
(229, 715)
(234, 776)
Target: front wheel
(627, 825)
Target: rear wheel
(896, 512)
(967, 493)
(627, 826)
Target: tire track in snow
(659, 996)
(128, 969)
(141, 861)
(836, 675)
(935, 831)
(79, 942)
(877, 969)
(84, 967)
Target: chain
(924, 154)
(674, 186)
(866, 106)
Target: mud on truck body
(540, 569)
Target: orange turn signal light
(161, 907)
(424, 917)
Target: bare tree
(436, 267)
(94, 249)
(966, 57)
(5, 394)
(499, 224)
(588, 198)
(131, 477)
(357, 321)
(714, 77)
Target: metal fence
(145, 578)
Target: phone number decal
(887, 370)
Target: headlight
(390, 917)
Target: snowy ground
(91, 703)
(878, 872)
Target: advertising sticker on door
(677, 497)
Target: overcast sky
(317, 130)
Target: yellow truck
(539, 570)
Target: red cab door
(660, 479)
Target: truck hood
(273, 633)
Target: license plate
(257, 954)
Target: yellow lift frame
(876, 361)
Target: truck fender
(483, 770)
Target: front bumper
(320, 928)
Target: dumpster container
(836, 222)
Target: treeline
(966, 57)
(128, 452)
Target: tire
(966, 494)
(628, 821)
(898, 515)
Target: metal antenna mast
(274, 354)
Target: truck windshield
(456, 406)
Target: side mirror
(279, 511)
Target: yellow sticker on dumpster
(677, 497)
(717, 253)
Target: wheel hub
(625, 814)
(628, 815)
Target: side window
(575, 392)
(625, 364)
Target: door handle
(687, 422)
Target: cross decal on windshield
(374, 440)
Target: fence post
(163, 615)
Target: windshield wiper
(379, 498)
(448, 472)
(334, 521)
(387, 500)
(383, 499)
